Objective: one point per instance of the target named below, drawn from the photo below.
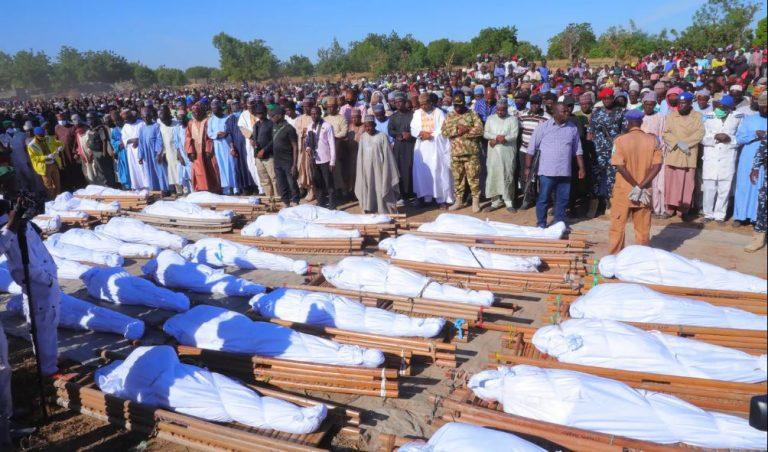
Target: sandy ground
(406, 416)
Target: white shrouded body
(451, 223)
(181, 209)
(643, 264)
(459, 437)
(66, 202)
(106, 244)
(67, 269)
(206, 197)
(120, 287)
(133, 230)
(59, 249)
(370, 274)
(100, 190)
(615, 345)
(213, 328)
(279, 227)
(154, 376)
(637, 303)
(48, 224)
(330, 310)
(411, 247)
(588, 402)
(222, 253)
(321, 215)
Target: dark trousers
(325, 190)
(286, 184)
(404, 158)
(561, 187)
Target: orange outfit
(638, 152)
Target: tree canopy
(245, 60)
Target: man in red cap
(606, 123)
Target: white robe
(432, 176)
(588, 402)
(154, 376)
(246, 123)
(173, 271)
(222, 253)
(370, 274)
(615, 345)
(459, 437)
(414, 248)
(643, 264)
(171, 155)
(138, 175)
(213, 328)
(637, 303)
(329, 310)
(501, 158)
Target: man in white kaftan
(130, 136)
(432, 178)
(245, 123)
(501, 132)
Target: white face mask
(62, 122)
(11, 130)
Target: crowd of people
(504, 130)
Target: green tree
(761, 33)
(6, 70)
(105, 66)
(297, 65)
(167, 76)
(574, 41)
(199, 72)
(528, 51)
(67, 71)
(494, 39)
(332, 59)
(438, 52)
(143, 76)
(718, 23)
(241, 60)
(31, 69)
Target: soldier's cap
(458, 99)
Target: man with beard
(199, 148)
(170, 155)
(399, 129)
(321, 145)
(262, 146)
(130, 134)
(71, 173)
(285, 151)
(223, 148)
(179, 137)
(246, 123)
(464, 128)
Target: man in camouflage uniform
(465, 129)
(761, 223)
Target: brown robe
(205, 170)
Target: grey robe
(376, 184)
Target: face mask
(720, 113)
(467, 99)
(62, 123)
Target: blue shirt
(557, 145)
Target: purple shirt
(558, 144)
(326, 143)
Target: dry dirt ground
(407, 415)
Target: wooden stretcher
(391, 443)
(335, 246)
(78, 392)
(403, 348)
(295, 375)
(245, 211)
(174, 224)
(501, 282)
(462, 315)
(754, 342)
(462, 406)
(727, 396)
(133, 203)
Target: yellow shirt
(37, 154)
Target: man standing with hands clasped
(637, 158)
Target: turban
(702, 92)
(674, 91)
(686, 96)
(650, 96)
(634, 115)
(605, 92)
(736, 88)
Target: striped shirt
(528, 123)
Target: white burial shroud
(411, 247)
(120, 287)
(279, 227)
(451, 223)
(154, 376)
(77, 314)
(588, 402)
(206, 197)
(460, 437)
(67, 269)
(222, 253)
(321, 215)
(615, 345)
(187, 210)
(48, 224)
(100, 190)
(171, 270)
(133, 230)
(7, 284)
(213, 328)
(330, 310)
(61, 250)
(66, 202)
(106, 244)
(637, 303)
(643, 264)
(370, 274)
